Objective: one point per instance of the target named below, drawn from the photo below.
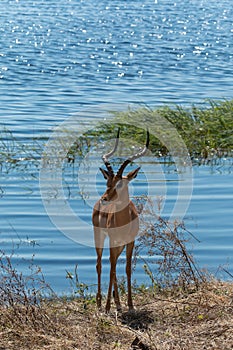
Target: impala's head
(117, 184)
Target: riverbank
(197, 319)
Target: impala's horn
(135, 156)
(106, 156)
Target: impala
(115, 216)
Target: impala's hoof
(98, 301)
(131, 309)
(119, 308)
(107, 308)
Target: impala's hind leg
(114, 254)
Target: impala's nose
(104, 200)
(108, 196)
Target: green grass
(206, 133)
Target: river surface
(78, 60)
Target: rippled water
(84, 58)
(57, 57)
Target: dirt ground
(198, 320)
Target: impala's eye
(119, 184)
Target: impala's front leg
(111, 279)
(99, 252)
(116, 295)
(129, 252)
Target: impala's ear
(132, 174)
(105, 173)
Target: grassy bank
(205, 131)
(182, 307)
(198, 319)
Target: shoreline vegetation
(183, 307)
(205, 132)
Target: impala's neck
(123, 197)
(122, 207)
(123, 215)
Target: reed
(205, 130)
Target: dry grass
(199, 319)
(183, 309)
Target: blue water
(83, 58)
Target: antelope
(115, 216)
